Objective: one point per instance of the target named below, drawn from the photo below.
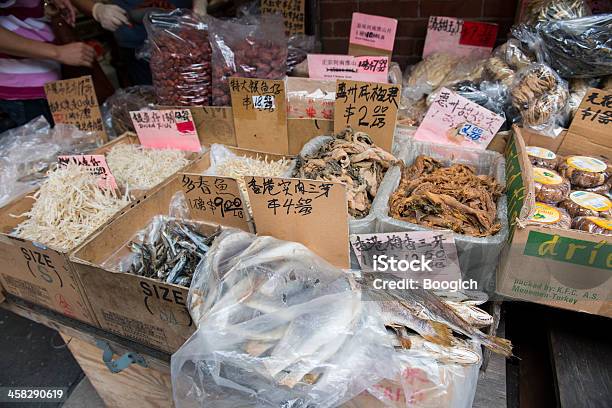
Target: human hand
(76, 54)
(110, 16)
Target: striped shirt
(24, 78)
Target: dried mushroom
(447, 197)
(351, 158)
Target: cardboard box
(135, 307)
(568, 269)
(37, 273)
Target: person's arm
(78, 54)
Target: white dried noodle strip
(139, 168)
(69, 207)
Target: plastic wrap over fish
(478, 256)
(277, 327)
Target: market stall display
(540, 157)
(584, 171)
(596, 225)
(116, 109)
(549, 186)
(585, 203)
(550, 215)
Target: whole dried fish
(171, 253)
(351, 158)
(453, 198)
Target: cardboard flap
(260, 114)
(215, 124)
(314, 213)
(300, 131)
(519, 180)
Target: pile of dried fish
(351, 158)
(69, 207)
(170, 251)
(453, 198)
(136, 167)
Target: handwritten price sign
(369, 69)
(166, 129)
(458, 37)
(96, 164)
(368, 107)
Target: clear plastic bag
(491, 95)
(426, 76)
(116, 109)
(29, 151)
(276, 326)
(298, 48)
(478, 257)
(310, 98)
(513, 54)
(578, 48)
(541, 98)
(180, 58)
(248, 51)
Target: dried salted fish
(351, 158)
(69, 207)
(453, 197)
(170, 252)
(136, 167)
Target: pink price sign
(367, 69)
(96, 164)
(455, 120)
(373, 31)
(458, 37)
(166, 129)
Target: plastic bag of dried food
(310, 98)
(478, 256)
(541, 98)
(276, 326)
(248, 51)
(29, 151)
(513, 54)
(550, 216)
(421, 79)
(116, 109)
(595, 225)
(169, 248)
(549, 186)
(538, 11)
(180, 58)
(578, 48)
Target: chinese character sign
(215, 199)
(74, 102)
(594, 116)
(371, 69)
(368, 107)
(370, 32)
(96, 164)
(455, 120)
(312, 212)
(291, 10)
(166, 129)
(433, 254)
(458, 37)
(260, 114)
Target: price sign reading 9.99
(368, 107)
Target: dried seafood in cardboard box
(537, 11)
(584, 171)
(549, 186)
(551, 216)
(69, 206)
(140, 168)
(541, 157)
(447, 197)
(585, 203)
(540, 96)
(596, 225)
(351, 158)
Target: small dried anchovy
(172, 254)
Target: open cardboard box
(568, 269)
(139, 308)
(38, 273)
